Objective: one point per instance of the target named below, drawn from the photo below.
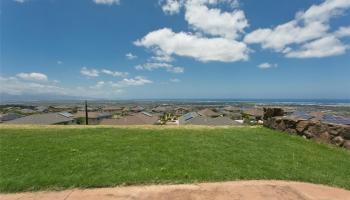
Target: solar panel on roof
(148, 114)
(336, 119)
(302, 115)
(66, 114)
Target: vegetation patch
(53, 158)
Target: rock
(334, 131)
(272, 112)
(317, 128)
(345, 132)
(302, 126)
(281, 125)
(308, 135)
(324, 137)
(338, 141)
(346, 144)
(291, 131)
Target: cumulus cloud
(89, 72)
(107, 2)
(226, 24)
(16, 86)
(323, 47)
(130, 56)
(34, 76)
(266, 65)
(98, 85)
(212, 39)
(153, 66)
(115, 73)
(343, 32)
(309, 29)
(136, 81)
(201, 48)
(95, 73)
(172, 6)
(161, 56)
(217, 22)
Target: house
(137, 109)
(9, 117)
(94, 117)
(186, 118)
(45, 119)
(112, 109)
(141, 118)
(209, 121)
(231, 109)
(162, 109)
(42, 109)
(181, 111)
(208, 113)
(27, 111)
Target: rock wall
(336, 134)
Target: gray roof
(218, 121)
(43, 119)
(184, 119)
(9, 116)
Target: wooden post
(86, 114)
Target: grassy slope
(57, 158)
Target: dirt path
(238, 190)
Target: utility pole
(86, 114)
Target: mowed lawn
(54, 158)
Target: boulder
(291, 131)
(324, 137)
(302, 126)
(317, 128)
(308, 134)
(345, 132)
(346, 144)
(339, 141)
(272, 112)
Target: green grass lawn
(44, 158)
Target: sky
(165, 49)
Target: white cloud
(172, 6)
(107, 2)
(161, 56)
(308, 29)
(153, 66)
(217, 22)
(89, 72)
(32, 76)
(226, 24)
(343, 32)
(98, 85)
(286, 34)
(323, 47)
(130, 56)
(115, 73)
(20, 1)
(59, 62)
(15, 86)
(137, 81)
(200, 48)
(266, 65)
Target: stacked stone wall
(335, 134)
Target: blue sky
(130, 49)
